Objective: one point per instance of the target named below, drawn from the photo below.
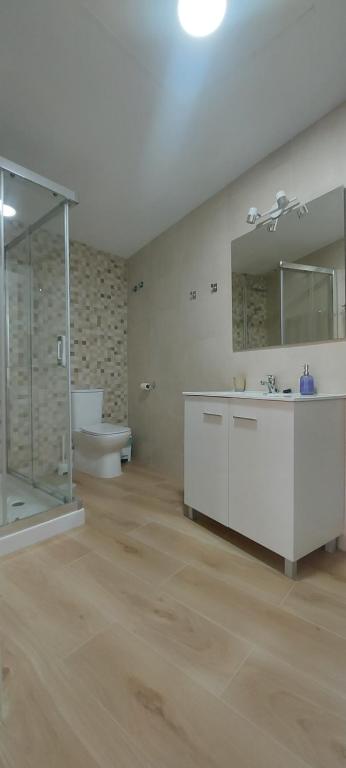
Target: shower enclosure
(294, 304)
(35, 444)
(308, 304)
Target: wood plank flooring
(144, 640)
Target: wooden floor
(147, 641)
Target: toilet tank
(86, 407)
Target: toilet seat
(104, 428)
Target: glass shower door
(307, 303)
(36, 474)
(50, 374)
(18, 368)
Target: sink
(261, 393)
(278, 394)
(248, 393)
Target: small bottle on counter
(307, 385)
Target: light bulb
(7, 210)
(200, 18)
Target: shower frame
(71, 513)
(286, 266)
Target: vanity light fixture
(7, 210)
(302, 210)
(201, 18)
(272, 225)
(282, 200)
(252, 216)
(282, 206)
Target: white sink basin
(262, 395)
(278, 394)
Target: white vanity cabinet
(260, 466)
(206, 468)
(271, 468)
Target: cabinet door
(261, 473)
(206, 457)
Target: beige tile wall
(185, 344)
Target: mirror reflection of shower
(293, 304)
(308, 303)
(290, 288)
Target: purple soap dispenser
(307, 386)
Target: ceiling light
(200, 18)
(7, 210)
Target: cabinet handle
(211, 413)
(244, 418)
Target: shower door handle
(61, 350)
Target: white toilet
(97, 444)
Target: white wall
(184, 344)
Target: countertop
(261, 395)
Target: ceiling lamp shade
(200, 18)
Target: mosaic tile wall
(250, 327)
(99, 327)
(98, 343)
(238, 299)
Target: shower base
(33, 515)
(24, 501)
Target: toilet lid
(103, 428)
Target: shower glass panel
(35, 390)
(18, 368)
(50, 390)
(307, 304)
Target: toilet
(97, 444)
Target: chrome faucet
(270, 382)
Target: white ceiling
(112, 99)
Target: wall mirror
(288, 286)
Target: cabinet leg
(331, 546)
(291, 569)
(190, 513)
